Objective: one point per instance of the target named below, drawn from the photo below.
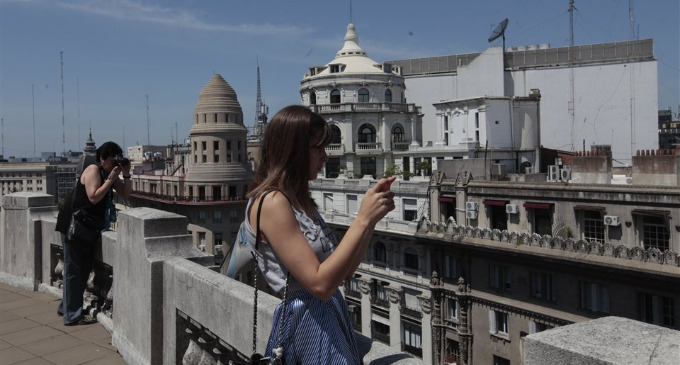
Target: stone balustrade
(168, 304)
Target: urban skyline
(165, 51)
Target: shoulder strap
(279, 350)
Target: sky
(133, 69)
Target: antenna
(631, 16)
(2, 135)
(33, 101)
(571, 22)
(258, 102)
(63, 123)
(148, 130)
(350, 11)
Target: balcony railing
(368, 147)
(364, 107)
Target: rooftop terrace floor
(31, 332)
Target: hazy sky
(116, 52)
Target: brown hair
(284, 155)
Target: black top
(79, 200)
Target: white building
(591, 94)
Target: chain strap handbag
(257, 358)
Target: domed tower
(218, 167)
(364, 103)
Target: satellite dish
(499, 31)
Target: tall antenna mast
(258, 102)
(148, 129)
(2, 135)
(571, 22)
(631, 16)
(63, 122)
(33, 102)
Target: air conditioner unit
(529, 170)
(511, 208)
(471, 206)
(471, 214)
(553, 173)
(565, 173)
(611, 220)
(497, 169)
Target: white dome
(352, 58)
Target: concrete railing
(168, 305)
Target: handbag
(84, 227)
(257, 358)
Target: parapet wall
(168, 305)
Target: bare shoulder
(90, 172)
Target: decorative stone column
(394, 297)
(438, 335)
(464, 324)
(366, 312)
(426, 328)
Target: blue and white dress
(315, 331)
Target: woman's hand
(377, 202)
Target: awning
(544, 206)
(651, 212)
(495, 202)
(445, 200)
(590, 207)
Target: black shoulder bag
(84, 228)
(257, 358)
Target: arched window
(398, 133)
(335, 96)
(366, 133)
(388, 96)
(380, 252)
(312, 98)
(363, 96)
(411, 259)
(336, 136)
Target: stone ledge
(608, 340)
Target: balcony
(160, 300)
(371, 148)
(335, 149)
(364, 108)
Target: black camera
(121, 161)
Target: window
(452, 309)
(205, 158)
(452, 351)
(336, 135)
(398, 133)
(335, 96)
(201, 216)
(655, 232)
(593, 227)
(380, 332)
(217, 217)
(366, 134)
(536, 327)
(216, 145)
(542, 221)
(657, 309)
(412, 339)
(594, 297)
(411, 259)
(368, 166)
(217, 239)
(380, 252)
(363, 96)
(450, 267)
(388, 96)
(335, 69)
(499, 277)
(497, 360)
(352, 206)
(328, 201)
(498, 322)
(542, 286)
(410, 209)
(234, 216)
(312, 98)
(203, 146)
